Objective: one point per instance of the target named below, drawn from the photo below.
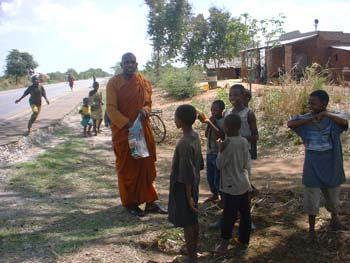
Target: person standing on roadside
(96, 102)
(129, 95)
(36, 91)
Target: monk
(128, 95)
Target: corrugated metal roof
(233, 63)
(294, 40)
(342, 47)
(285, 42)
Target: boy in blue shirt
(323, 166)
(213, 132)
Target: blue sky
(81, 34)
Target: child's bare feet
(335, 224)
(184, 259)
(213, 198)
(311, 237)
(222, 247)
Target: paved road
(53, 91)
(14, 117)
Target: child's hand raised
(321, 115)
(202, 117)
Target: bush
(180, 82)
(280, 103)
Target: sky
(83, 34)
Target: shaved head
(128, 55)
(129, 64)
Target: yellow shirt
(86, 110)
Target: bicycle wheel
(158, 128)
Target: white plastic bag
(137, 143)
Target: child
(237, 97)
(85, 112)
(213, 132)
(323, 166)
(253, 144)
(248, 130)
(184, 181)
(234, 161)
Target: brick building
(297, 50)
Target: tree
(217, 48)
(19, 64)
(167, 27)
(117, 69)
(260, 32)
(177, 17)
(194, 51)
(156, 29)
(73, 73)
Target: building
(294, 51)
(227, 69)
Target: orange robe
(135, 176)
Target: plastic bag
(137, 143)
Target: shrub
(280, 103)
(180, 82)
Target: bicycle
(158, 126)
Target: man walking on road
(128, 95)
(36, 91)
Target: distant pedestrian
(70, 80)
(86, 121)
(96, 102)
(323, 170)
(36, 91)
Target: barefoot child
(234, 162)
(237, 97)
(184, 181)
(323, 166)
(213, 132)
(253, 144)
(248, 130)
(85, 112)
(36, 91)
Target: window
(336, 57)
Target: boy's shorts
(312, 198)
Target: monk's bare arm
(113, 112)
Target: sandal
(155, 208)
(136, 211)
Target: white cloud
(10, 8)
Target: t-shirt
(234, 165)
(212, 145)
(323, 165)
(185, 169)
(85, 110)
(245, 130)
(36, 92)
